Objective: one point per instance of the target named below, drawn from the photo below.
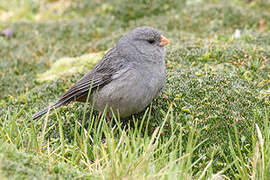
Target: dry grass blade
(205, 169)
(44, 130)
(166, 167)
(153, 139)
(255, 160)
(261, 145)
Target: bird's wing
(98, 77)
(79, 90)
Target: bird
(126, 79)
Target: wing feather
(98, 77)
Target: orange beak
(164, 41)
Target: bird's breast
(131, 90)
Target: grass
(211, 121)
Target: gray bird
(127, 78)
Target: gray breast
(130, 91)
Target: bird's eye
(151, 41)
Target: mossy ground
(217, 90)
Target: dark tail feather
(44, 111)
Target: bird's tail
(45, 110)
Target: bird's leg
(108, 120)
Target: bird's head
(143, 43)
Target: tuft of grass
(104, 150)
(251, 162)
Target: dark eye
(151, 41)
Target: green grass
(212, 119)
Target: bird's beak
(164, 41)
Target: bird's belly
(128, 94)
